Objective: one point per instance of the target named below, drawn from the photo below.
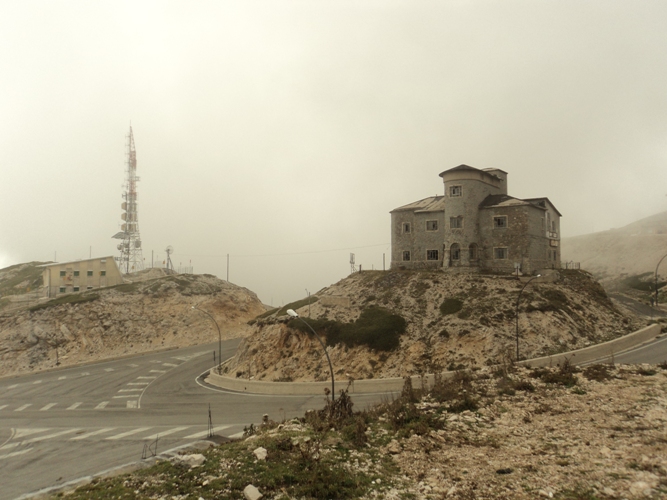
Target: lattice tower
(130, 259)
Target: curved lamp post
(293, 314)
(517, 313)
(656, 279)
(219, 338)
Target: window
(455, 252)
(89, 288)
(89, 273)
(431, 255)
(500, 222)
(553, 226)
(472, 251)
(454, 190)
(406, 227)
(406, 255)
(62, 273)
(62, 289)
(76, 288)
(431, 225)
(456, 222)
(76, 273)
(500, 253)
(103, 273)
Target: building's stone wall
(79, 276)
(418, 241)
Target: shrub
(597, 372)
(450, 306)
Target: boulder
(251, 493)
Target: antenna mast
(130, 260)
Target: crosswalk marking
(167, 432)
(128, 433)
(133, 365)
(169, 364)
(158, 371)
(202, 434)
(102, 405)
(148, 377)
(131, 404)
(74, 406)
(3, 406)
(156, 361)
(37, 382)
(21, 408)
(138, 383)
(92, 433)
(108, 369)
(13, 454)
(131, 390)
(19, 433)
(48, 436)
(48, 407)
(124, 396)
(62, 378)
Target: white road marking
(75, 406)
(48, 436)
(37, 382)
(138, 383)
(166, 433)
(131, 390)
(236, 436)
(188, 358)
(3, 406)
(155, 361)
(109, 370)
(92, 433)
(85, 373)
(147, 377)
(128, 433)
(62, 378)
(13, 386)
(157, 371)
(13, 454)
(131, 404)
(102, 405)
(10, 445)
(169, 364)
(202, 434)
(21, 408)
(124, 396)
(48, 407)
(133, 365)
(19, 433)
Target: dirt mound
(450, 321)
(128, 318)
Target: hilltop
(397, 323)
(630, 250)
(125, 319)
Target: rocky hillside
(631, 250)
(129, 318)
(395, 323)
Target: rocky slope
(129, 318)
(450, 321)
(630, 250)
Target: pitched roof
(503, 200)
(541, 201)
(432, 204)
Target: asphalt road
(653, 352)
(70, 423)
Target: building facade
(80, 275)
(476, 226)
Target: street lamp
(293, 314)
(219, 338)
(656, 279)
(517, 313)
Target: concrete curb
(386, 385)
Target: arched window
(455, 252)
(472, 251)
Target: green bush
(450, 306)
(376, 328)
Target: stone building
(475, 226)
(80, 275)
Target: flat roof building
(80, 275)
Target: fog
(283, 133)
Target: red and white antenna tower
(130, 259)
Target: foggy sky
(283, 133)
